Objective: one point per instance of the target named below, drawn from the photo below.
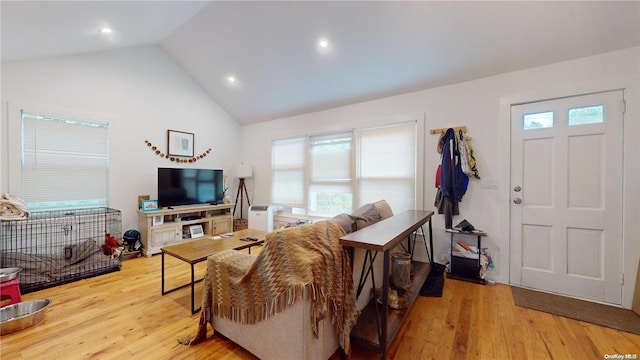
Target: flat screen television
(177, 187)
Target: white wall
(483, 106)
(141, 92)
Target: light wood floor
(123, 315)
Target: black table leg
(193, 290)
(431, 240)
(163, 274)
(385, 306)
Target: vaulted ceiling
(375, 49)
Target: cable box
(192, 217)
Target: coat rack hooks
(442, 130)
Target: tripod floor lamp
(242, 171)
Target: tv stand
(164, 227)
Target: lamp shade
(243, 171)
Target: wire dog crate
(58, 247)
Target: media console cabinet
(164, 227)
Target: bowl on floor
(8, 274)
(21, 315)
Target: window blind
(288, 172)
(64, 162)
(347, 170)
(331, 167)
(386, 165)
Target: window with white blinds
(330, 179)
(288, 172)
(387, 165)
(64, 162)
(335, 173)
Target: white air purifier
(261, 217)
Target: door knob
(517, 188)
(517, 200)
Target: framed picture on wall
(180, 143)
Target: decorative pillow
(366, 215)
(346, 222)
(82, 251)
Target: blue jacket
(453, 182)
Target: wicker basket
(240, 224)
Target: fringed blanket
(12, 208)
(300, 263)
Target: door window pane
(586, 115)
(537, 120)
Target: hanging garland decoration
(175, 158)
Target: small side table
(462, 268)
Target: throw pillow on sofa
(346, 223)
(366, 215)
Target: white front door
(566, 196)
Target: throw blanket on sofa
(305, 262)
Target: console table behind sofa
(382, 237)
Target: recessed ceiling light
(106, 30)
(231, 80)
(323, 45)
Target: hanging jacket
(452, 184)
(464, 155)
(469, 166)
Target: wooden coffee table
(199, 250)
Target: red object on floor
(10, 292)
